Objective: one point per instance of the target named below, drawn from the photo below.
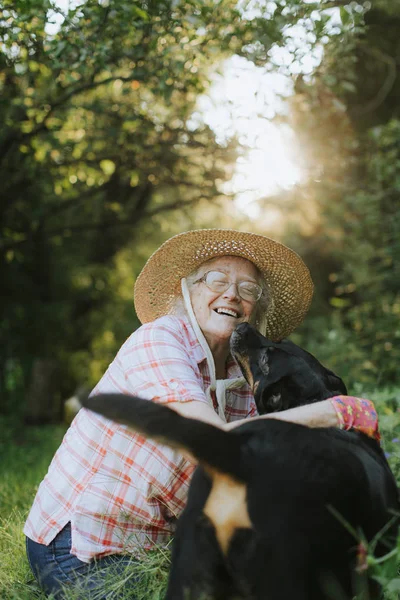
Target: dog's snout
(242, 328)
(239, 338)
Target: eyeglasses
(218, 282)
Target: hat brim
(283, 270)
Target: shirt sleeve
(158, 365)
(357, 413)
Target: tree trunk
(43, 403)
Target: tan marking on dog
(245, 367)
(226, 507)
(255, 387)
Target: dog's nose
(242, 328)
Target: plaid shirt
(119, 490)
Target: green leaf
(339, 302)
(345, 15)
(141, 13)
(107, 166)
(394, 585)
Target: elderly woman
(109, 492)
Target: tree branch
(17, 136)
(325, 5)
(90, 86)
(103, 225)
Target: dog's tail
(209, 445)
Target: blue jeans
(56, 570)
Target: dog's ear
(282, 364)
(334, 384)
(314, 380)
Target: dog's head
(281, 374)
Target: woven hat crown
(284, 272)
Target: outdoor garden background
(123, 122)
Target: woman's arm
(319, 414)
(198, 410)
(345, 412)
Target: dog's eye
(263, 362)
(275, 399)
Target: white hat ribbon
(218, 385)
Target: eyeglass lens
(218, 282)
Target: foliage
(361, 233)
(94, 124)
(97, 143)
(352, 244)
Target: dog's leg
(198, 570)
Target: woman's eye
(216, 280)
(248, 289)
(219, 284)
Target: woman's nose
(232, 291)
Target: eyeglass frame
(202, 279)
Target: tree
(98, 141)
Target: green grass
(25, 456)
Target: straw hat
(284, 272)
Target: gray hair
(259, 316)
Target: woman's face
(217, 325)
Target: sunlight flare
(242, 103)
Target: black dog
(267, 508)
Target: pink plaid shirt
(119, 490)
